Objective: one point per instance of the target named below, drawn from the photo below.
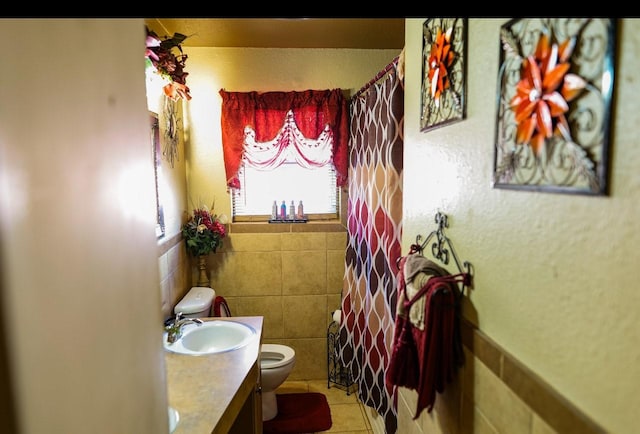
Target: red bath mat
(299, 413)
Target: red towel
(220, 307)
(426, 360)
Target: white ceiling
(357, 33)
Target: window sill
(265, 227)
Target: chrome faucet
(174, 327)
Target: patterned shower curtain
(374, 218)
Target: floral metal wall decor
(555, 84)
(444, 43)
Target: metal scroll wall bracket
(442, 248)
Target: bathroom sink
(211, 337)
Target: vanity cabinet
(218, 393)
(249, 419)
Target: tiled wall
(291, 274)
(174, 273)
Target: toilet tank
(196, 303)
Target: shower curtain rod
(378, 76)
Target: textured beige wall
(78, 271)
(555, 275)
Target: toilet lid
(198, 299)
(276, 355)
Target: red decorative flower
(440, 60)
(543, 93)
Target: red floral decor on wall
(555, 87)
(544, 91)
(443, 72)
(440, 60)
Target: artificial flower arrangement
(203, 232)
(160, 54)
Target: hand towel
(426, 359)
(417, 271)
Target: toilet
(276, 363)
(196, 303)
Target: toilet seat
(275, 355)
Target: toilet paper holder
(337, 373)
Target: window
(289, 168)
(285, 146)
(316, 188)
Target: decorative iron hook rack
(442, 249)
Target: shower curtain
(374, 219)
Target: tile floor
(347, 414)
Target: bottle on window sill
(300, 211)
(292, 211)
(274, 210)
(283, 211)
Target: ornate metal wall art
(555, 84)
(171, 138)
(444, 43)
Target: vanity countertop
(208, 391)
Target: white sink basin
(211, 337)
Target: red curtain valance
(266, 112)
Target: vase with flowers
(203, 233)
